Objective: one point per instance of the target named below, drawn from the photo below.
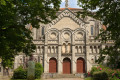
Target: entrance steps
(55, 75)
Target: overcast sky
(72, 4)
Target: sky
(72, 4)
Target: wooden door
(80, 65)
(66, 66)
(52, 65)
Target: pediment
(66, 19)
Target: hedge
(100, 75)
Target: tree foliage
(14, 15)
(108, 12)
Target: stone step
(65, 76)
(55, 75)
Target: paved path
(4, 78)
(8, 78)
(65, 79)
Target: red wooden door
(80, 65)
(66, 66)
(52, 65)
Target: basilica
(67, 45)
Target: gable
(66, 22)
(66, 19)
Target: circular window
(79, 35)
(53, 35)
(66, 35)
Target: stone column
(55, 49)
(73, 60)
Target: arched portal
(80, 65)
(66, 66)
(52, 65)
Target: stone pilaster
(16, 62)
(73, 60)
(2, 70)
(59, 60)
(59, 56)
(34, 34)
(46, 63)
(87, 65)
(45, 60)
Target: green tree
(107, 11)
(14, 15)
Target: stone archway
(52, 65)
(66, 66)
(80, 65)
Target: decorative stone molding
(52, 42)
(65, 54)
(38, 41)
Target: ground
(65, 79)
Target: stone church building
(67, 45)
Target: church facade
(67, 45)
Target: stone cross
(66, 3)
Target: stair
(55, 75)
(66, 76)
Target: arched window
(42, 31)
(52, 49)
(92, 30)
(38, 58)
(95, 49)
(49, 49)
(69, 48)
(63, 48)
(76, 49)
(80, 50)
(91, 49)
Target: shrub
(94, 69)
(118, 74)
(88, 78)
(113, 78)
(100, 75)
(20, 73)
(38, 70)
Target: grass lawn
(88, 78)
